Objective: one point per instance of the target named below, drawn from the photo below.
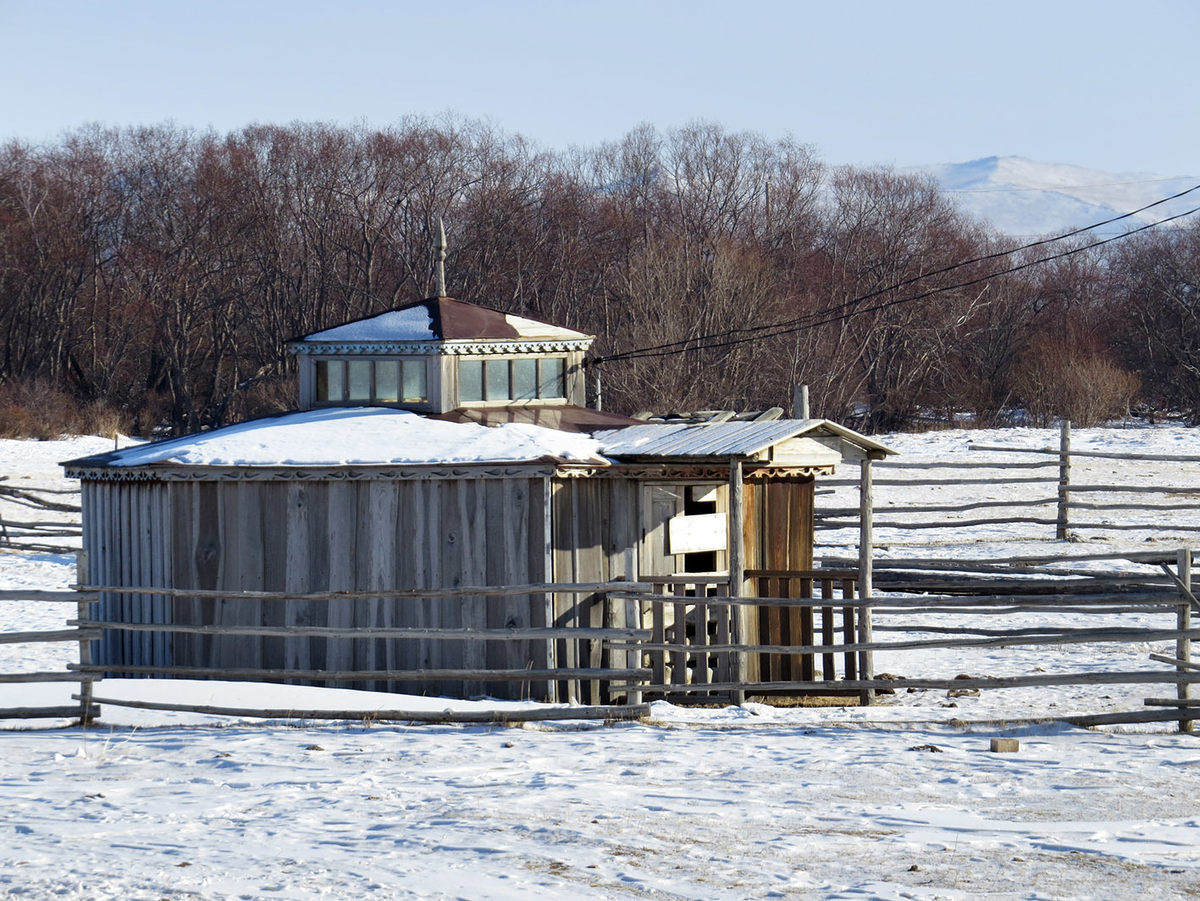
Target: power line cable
(697, 342)
(812, 321)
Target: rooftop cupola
(447, 358)
(438, 355)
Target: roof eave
(440, 346)
(173, 472)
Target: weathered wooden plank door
(779, 538)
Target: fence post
(737, 577)
(84, 612)
(866, 541)
(1062, 530)
(1183, 646)
(633, 620)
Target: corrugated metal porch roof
(721, 439)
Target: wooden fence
(22, 533)
(1042, 492)
(698, 643)
(820, 647)
(85, 710)
(589, 681)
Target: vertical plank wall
(319, 535)
(123, 550)
(594, 522)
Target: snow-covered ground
(899, 801)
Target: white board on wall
(701, 532)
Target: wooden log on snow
(1120, 719)
(531, 715)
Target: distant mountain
(1025, 198)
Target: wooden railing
(807, 626)
(73, 634)
(685, 619)
(585, 665)
(685, 638)
(804, 645)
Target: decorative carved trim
(689, 472)
(436, 348)
(788, 472)
(307, 473)
(642, 472)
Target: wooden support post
(1062, 530)
(737, 570)
(866, 538)
(549, 602)
(1183, 646)
(633, 620)
(84, 610)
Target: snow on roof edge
(357, 436)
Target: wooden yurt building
(440, 445)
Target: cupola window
(365, 382)
(507, 379)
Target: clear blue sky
(1108, 84)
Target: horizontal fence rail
(686, 638)
(86, 710)
(804, 641)
(21, 533)
(588, 665)
(1058, 497)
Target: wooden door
(779, 540)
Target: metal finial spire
(440, 271)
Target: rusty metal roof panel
(439, 319)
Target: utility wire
(812, 320)
(699, 342)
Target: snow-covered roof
(382, 436)
(407, 324)
(364, 436)
(439, 319)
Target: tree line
(156, 271)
